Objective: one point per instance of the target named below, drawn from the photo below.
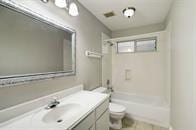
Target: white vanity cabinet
(103, 122)
(97, 120)
(81, 110)
(87, 124)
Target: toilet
(117, 111)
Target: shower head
(110, 43)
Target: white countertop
(32, 120)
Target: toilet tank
(100, 90)
(103, 90)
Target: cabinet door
(103, 122)
(84, 127)
(101, 109)
(87, 123)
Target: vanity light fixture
(67, 4)
(45, 1)
(129, 12)
(61, 3)
(73, 9)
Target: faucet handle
(54, 98)
(53, 103)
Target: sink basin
(60, 113)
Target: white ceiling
(148, 12)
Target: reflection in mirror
(29, 46)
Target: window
(145, 45)
(139, 45)
(124, 47)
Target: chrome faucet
(109, 87)
(53, 104)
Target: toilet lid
(116, 108)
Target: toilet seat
(116, 109)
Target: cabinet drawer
(87, 123)
(102, 108)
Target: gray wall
(183, 64)
(89, 31)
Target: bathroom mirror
(33, 47)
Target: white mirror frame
(22, 79)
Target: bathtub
(152, 110)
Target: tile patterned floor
(129, 124)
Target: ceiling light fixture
(73, 9)
(61, 3)
(129, 12)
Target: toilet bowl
(117, 112)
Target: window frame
(124, 42)
(135, 44)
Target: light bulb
(73, 9)
(45, 1)
(60, 3)
(129, 12)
